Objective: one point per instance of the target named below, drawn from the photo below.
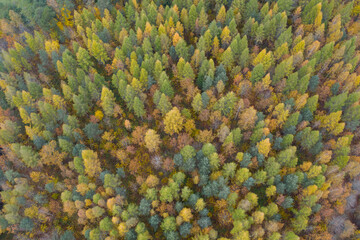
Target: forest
(180, 119)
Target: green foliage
(178, 119)
(107, 101)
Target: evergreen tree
(107, 101)
(257, 73)
(139, 108)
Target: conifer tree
(107, 101)
(173, 121)
(139, 108)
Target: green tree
(168, 224)
(106, 224)
(257, 73)
(69, 62)
(9, 132)
(226, 104)
(97, 50)
(197, 103)
(84, 58)
(164, 104)
(337, 102)
(192, 17)
(227, 58)
(244, 57)
(251, 9)
(107, 101)
(285, 5)
(29, 156)
(139, 108)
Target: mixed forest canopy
(184, 119)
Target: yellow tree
(152, 140)
(264, 147)
(91, 162)
(186, 214)
(331, 123)
(173, 121)
(221, 15)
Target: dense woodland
(184, 119)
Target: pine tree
(197, 103)
(97, 50)
(285, 5)
(192, 17)
(244, 58)
(257, 73)
(251, 10)
(164, 104)
(225, 37)
(227, 58)
(139, 108)
(84, 58)
(107, 101)
(221, 15)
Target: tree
(29, 156)
(168, 224)
(167, 88)
(69, 62)
(188, 72)
(287, 157)
(283, 69)
(221, 15)
(244, 58)
(251, 10)
(266, 59)
(182, 50)
(192, 17)
(80, 105)
(227, 58)
(164, 104)
(331, 123)
(188, 152)
(106, 224)
(97, 49)
(84, 58)
(186, 214)
(26, 224)
(92, 131)
(285, 5)
(95, 234)
(152, 140)
(226, 104)
(91, 163)
(264, 147)
(197, 103)
(49, 154)
(242, 175)
(173, 121)
(139, 108)
(9, 132)
(334, 32)
(337, 102)
(257, 73)
(107, 101)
